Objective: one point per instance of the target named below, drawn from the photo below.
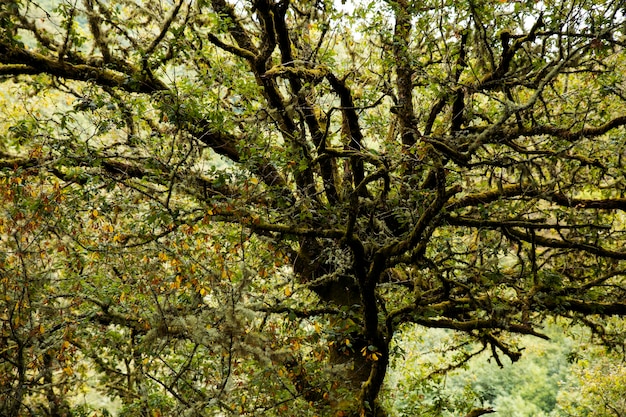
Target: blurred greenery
(564, 376)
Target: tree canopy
(215, 207)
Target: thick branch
(485, 197)
(495, 79)
(94, 25)
(404, 73)
(538, 224)
(277, 14)
(566, 244)
(568, 134)
(303, 314)
(469, 326)
(354, 140)
(236, 29)
(164, 28)
(19, 61)
(584, 307)
(240, 52)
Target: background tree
(233, 207)
(596, 382)
(420, 382)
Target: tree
(530, 387)
(595, 385)
(233, 207)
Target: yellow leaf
(177, 282)
(288, 292)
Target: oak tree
(212, 206)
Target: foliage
(595, 384)
(216, 208)
(566, 376)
